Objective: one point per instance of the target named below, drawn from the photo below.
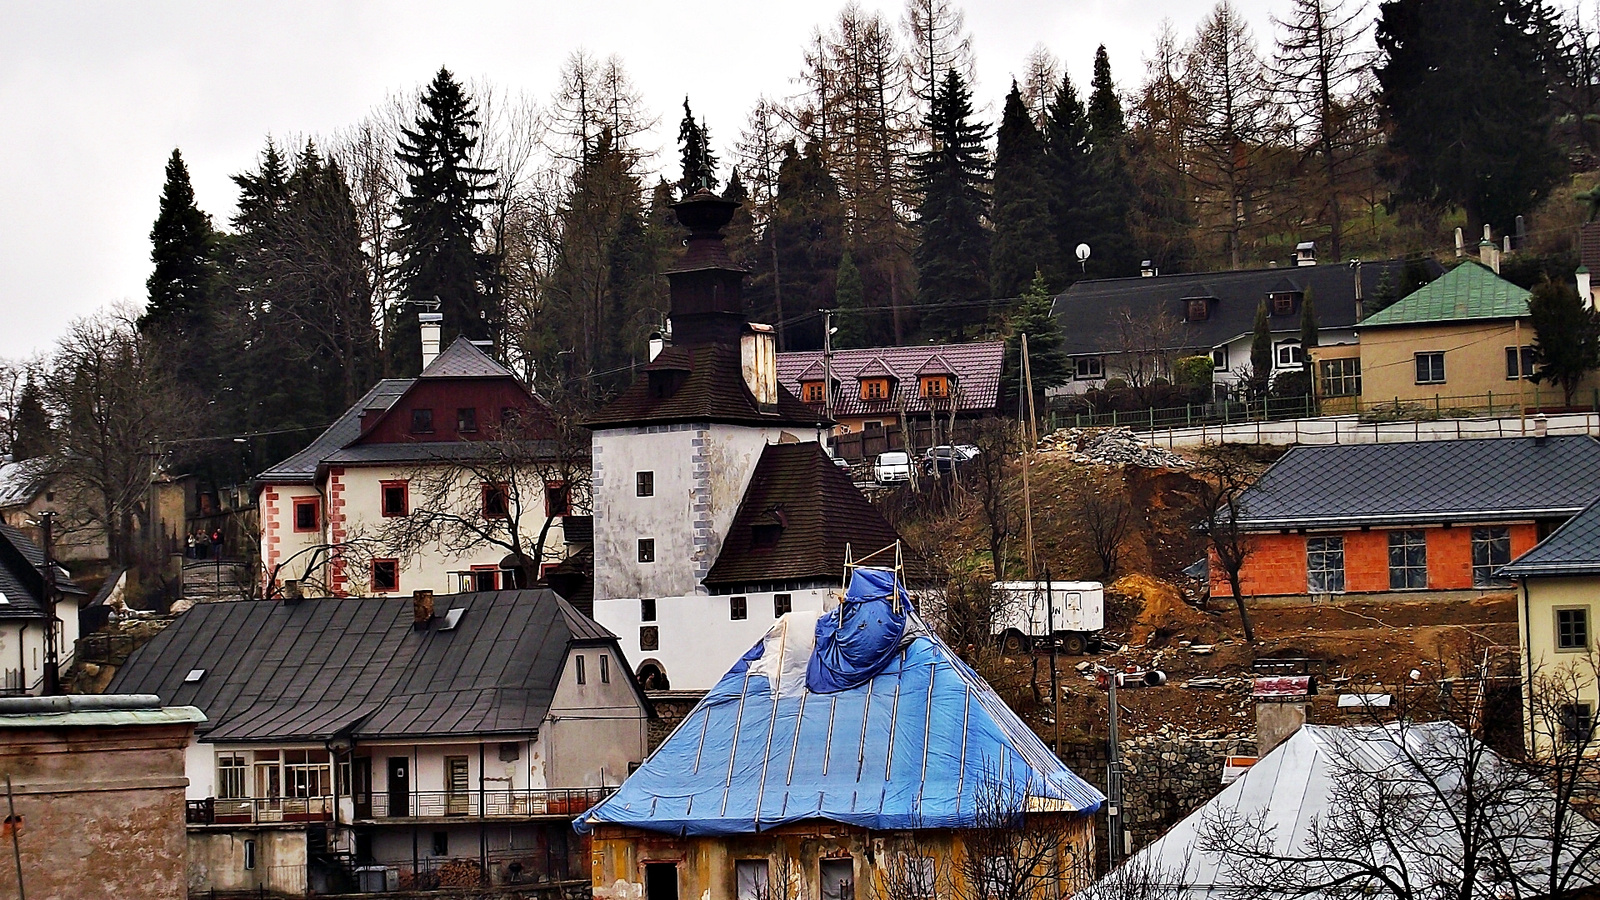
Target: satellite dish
(1083, 252)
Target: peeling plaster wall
(598, 729)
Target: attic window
(874, 388)
(765, 535)
(1197, 310)
(422, 421)
(194, 676)
(812, 392)
(665, 382)
(934, 386)
(1282, 304)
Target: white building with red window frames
(330, 513)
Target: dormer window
(813, 392)
(1282, 304)
(874, 388)
(764, 536)
(1197, 309)
(935, 386)
(665, 382)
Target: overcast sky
(95, 96)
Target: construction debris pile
(1112, 447)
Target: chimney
(1541, 427)
(1461, 245)
(421, 609)
(758, 358)
(1361, 305)
(657, 344)
(428, 324)
(292, 595)
(1305, 253)
(1488, 254)
(1585, 289)
(1147, 269)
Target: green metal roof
(1469, 291)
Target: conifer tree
(1024, 241)
(179, 313)
(1308, 327)
(698, 163)
(801, 245)
(33, 436)
(1261, 352)
(1066, 164)
(1108, 194)
(440, 225)
(1566, 344)
(850, 314)
(1047, 359)
(953, 254)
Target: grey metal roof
(1572, 549)
(357, 666)
(22, 578)
(301, 468)
(463, 359)
(1089, 311)
(1426, 482)
(435, 451)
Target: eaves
(1405, 518)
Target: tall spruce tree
(800, 250)
(1066, 136)
(1466, 88)
(1309, 328)
(179, 314)
(1108, 193)
(698, 163)
(850, 300)
(1024, 241)
(952, 255)
(1047, 359)
(439, 225)
(33, 435)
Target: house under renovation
(847, 748)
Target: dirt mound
(1162, 607)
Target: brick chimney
(421, 609)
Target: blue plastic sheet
(857, 640)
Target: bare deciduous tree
(1101, 505)
(1019, 849)
(1146, 345)
(1223, 479)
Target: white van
(892, 467)
(1075, 609)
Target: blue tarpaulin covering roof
(923, 743)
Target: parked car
(892, 467)
(842, 463)
(945, 457)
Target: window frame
(1347, 377)
(1219, 358)
(782, 604)
(315, 505)
(760, 885)
(1430, 355)
(644, 483)
(875, 389)
(1088, 368)
(1588, 628)
(233, 781)
(477, 572)
(1295, 348)
(813, 392)
(1332, 546)
(647, 550)
(935, 387)
(1577, 716)
(647, 609)
(504, 491)
(738, 608)
(466, 420)
(1407, 569)
(422, 420)
(1196, 309)
(563, 489)
(1281, 303)
(373, 579)
(578, 671)
(1526, 361)
(384, 487)
(1488, 580)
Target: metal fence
(251, 811)
(491, 804)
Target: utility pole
(1114, 836)
(52, 651)
(827, 362)
(1025, 408)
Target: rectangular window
(750, 880)
(838, 879)
(812, 392)
(557, 499)
(647, 550)
(1088, 368)
(497, 501)
(230, 777)
(249, 853)
(457, 785)
(396, 499)
(782, 604)
(1491, 549)
(1408, 560)
(484, 578)
(466, 419)
(935, 386)
(644, 484)
(1430, 368)
(1519, 363)
(441, 843)
(1291, 355)
(1572, 628)
(875, 389)
(422, 421)
(605, 668)
(1197, 310)
(305, 514)
(1341, 377)
(306, 774)
(1282, 304)
(385, 575)
(649, 637)
(871, 427)
(579, 659)
(1219, 358)
(1325, 565)
(1577, 723)
(737, 608)
(647, 609)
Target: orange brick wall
(1277, 562)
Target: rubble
(1112, 447)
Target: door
(361, 786)
(838, 879)
(660, 881)
(399, 786)
(457, 793)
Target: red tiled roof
(976, 368)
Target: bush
(1192, 370)
(1116, 384)
(1291, 384)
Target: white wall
(22, 644)
(699, 642)
(597, 729)
(1238, 358)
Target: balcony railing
(490, 804)
(251, 811)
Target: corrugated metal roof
(1572, 549)
(1469, 291)
(301, 468)
(1425, 482)
(325, 667)
(976, 367)
(922, 744)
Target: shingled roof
(356, 666)
(1421, 482)
(708, 387)
(463, 359)
(1572, 549)
(976, 367)
(816, 511)
(1469, 291)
